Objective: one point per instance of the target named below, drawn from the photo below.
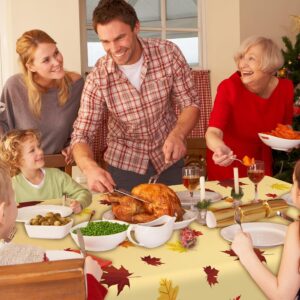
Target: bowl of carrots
(282, 138)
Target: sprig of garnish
(204, 204)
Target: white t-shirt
(133, 72)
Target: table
(206, 271)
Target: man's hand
(174, 147)
(98, 179)
(67, 153)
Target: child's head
(8, 208)
(20, 150)
(296, 185)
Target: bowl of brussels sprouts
(48, 226)
(101, 235)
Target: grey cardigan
(56, 122)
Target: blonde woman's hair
(11, 147)
(5, 182)
(271, 60)
(26, 46)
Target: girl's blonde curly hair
(10, 147)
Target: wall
(270, 18)
(59, 18)
(223, 38)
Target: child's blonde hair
(10, 147)
(5, 181)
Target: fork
(237, 218)
(155, 177)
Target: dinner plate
(61, 255)
(263, 234)
(28, 212)
(186, 200)
(188, 218)
(288, 198)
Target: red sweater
(241, 115)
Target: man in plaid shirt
(138, 82)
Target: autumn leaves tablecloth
(209, 270)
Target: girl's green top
(56, 184)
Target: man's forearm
(83, 156)
(187, 120)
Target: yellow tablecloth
(206, 271)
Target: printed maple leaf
(166, 290)
(271, 195)
(126, 244)
(212, 274)
(237, 298)
(229, 183)
(257, 251)
(105, 202)
(113, 276)
(154, 261)
(176, 247)
(280, 186)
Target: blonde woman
(250, 101)
(44, 96)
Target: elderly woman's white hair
(271, 60)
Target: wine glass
(190, 179)
(256, 173)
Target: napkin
(249, 213)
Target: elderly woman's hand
(223, 156)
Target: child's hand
(92, 267)
(76, 206)
(242, 244)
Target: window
(180, 21)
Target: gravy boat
(151, 234)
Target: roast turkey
(161, 200)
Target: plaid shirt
(139, 121)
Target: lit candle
(202, 188)
(236, 180)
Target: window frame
(163, 29)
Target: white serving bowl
(101, 242)
(48, 232)
(277, 143)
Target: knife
(126, 193)
(81, 242)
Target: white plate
(263, 234)
(28, 212)
(288, 198)
(186, 199)
(61, 255)
(188, 218)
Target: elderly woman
(44, 96)
(252, 100)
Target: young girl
(11, 254)
(287, 283)
(20, 149)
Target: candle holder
(202, 207)
(237, 197)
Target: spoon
(237, 218)
(91, 215)
(284, 216)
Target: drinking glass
(190, 179)
(256, 173)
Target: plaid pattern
(139, 123)
(202, 84)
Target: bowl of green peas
(101, 235)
